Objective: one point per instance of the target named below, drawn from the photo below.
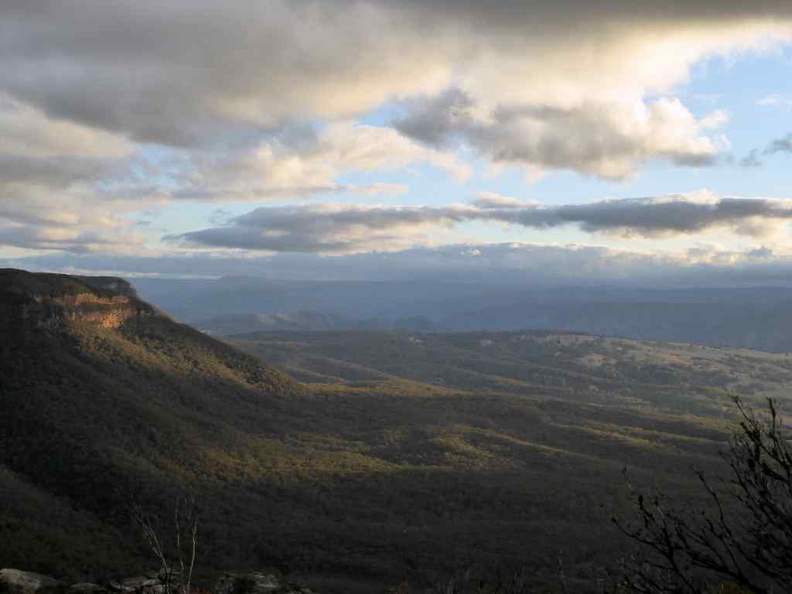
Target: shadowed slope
(373, 481)
(106, 398)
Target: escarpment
(47, 301)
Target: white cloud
(185, 73)
(329, 228)
(50, 173)
(80, 219)
(533, 264)
(282, 167)
(495, 200)
(569, 84)
(26, 131)
(776, 100)
(72, 240)
(607, 139)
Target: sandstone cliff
(48, 300)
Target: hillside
(756, 324)
(256, 322)
(105, 398)
(617, 372)
(400, 456)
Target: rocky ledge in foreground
(15, 581)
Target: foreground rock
(15, 581)
(145, 584)
(85, 588)
(256, 583)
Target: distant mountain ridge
(760, 326)
(752, 317)
(307, 321)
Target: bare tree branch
(744, 538)
(184, 520)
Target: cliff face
(105, 400)
(46, 301)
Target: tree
(742, 542)
(177, 561)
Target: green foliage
(672, 377)
(406, 457)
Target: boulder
(144, 584)
(139, 584)
(85, 588)
(291, 588)
(247, 583)
(16, 581)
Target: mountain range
(752, 317)
(238, 323)
(352, 460)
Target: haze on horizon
(556, 142)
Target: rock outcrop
(144, 584)
(256, 583)
(48, 300)
(85, 588)
(15, 581)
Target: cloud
(516, 264)
(28, 132)
(328, 228)
(541, 77)
(183, 73)
(109, 107)
(42, 161)
(54, 179)
(289, 167)
(609, 139)
(343, 228)
(494, 200)
(72, 183)
(51, 172)
(778, 145)
(79, 220)
(69, 240)
(51, 203)
(70, 203)
(776, 100)
(689, 214)
(752, 160)
(270, 194)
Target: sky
(351, 138)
